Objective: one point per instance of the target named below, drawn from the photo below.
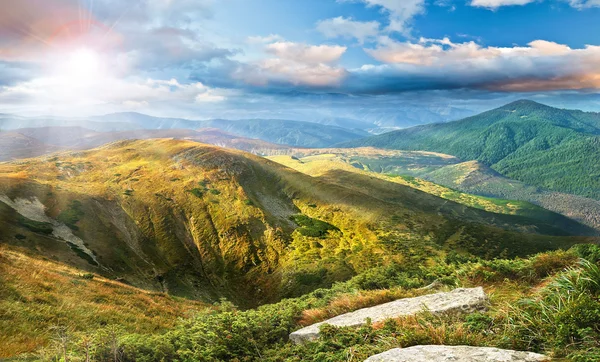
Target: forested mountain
(542, 146)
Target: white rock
(459, 300)
(455, 354)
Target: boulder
(460, 300)
(455, 354)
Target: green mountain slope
(203, 222)
(407, 163)
(539, 145)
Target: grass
(36, 295)
(537, 304)
(320, 165)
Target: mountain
(277, 131)
(347, 160)
(81, 138)
(37, 295)
(204, 222)
(542, 146)
(14, 145)
(293, 133)
(470, 177)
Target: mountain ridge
(519, 140)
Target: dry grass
(36, 295)
(350, 302)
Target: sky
(372, 60)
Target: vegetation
(546, 303)
(312, 227)
(71, 216)
(38, 295)
(435, 167)
(524, 140)
(238, 240)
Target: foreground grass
(37, 295)
(547, 303)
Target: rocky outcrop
(457, 301)
(455, 353)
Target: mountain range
(551, 148)
(292, 133)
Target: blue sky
(308, 59)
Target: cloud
(309, 54)
(290, 63)
(583, 4)
(341, 27)
(401, 12)
(494, 4)
(442, 64)
(265, 39)
(65, 94)
(171, 47)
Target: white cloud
(264, 39)
(541, 65)
(309, 54)
(341, 27)
(64, 94)
(296, 64)
(494, 4)
(583, 4)
(400, 12)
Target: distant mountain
(14, 145)
(292, 133)
(32, 142)
(542, 146)
(285, 132)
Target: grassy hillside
(542, 146)
(37, 294)
(546, 303)
(472, 177)
(203, 222)
(326, 165)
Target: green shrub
(35, 226)
(197, 192)
(71, 215)
(312, 227)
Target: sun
(82, 63)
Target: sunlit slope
(327, 165)
(38, 294)
(204, 222)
